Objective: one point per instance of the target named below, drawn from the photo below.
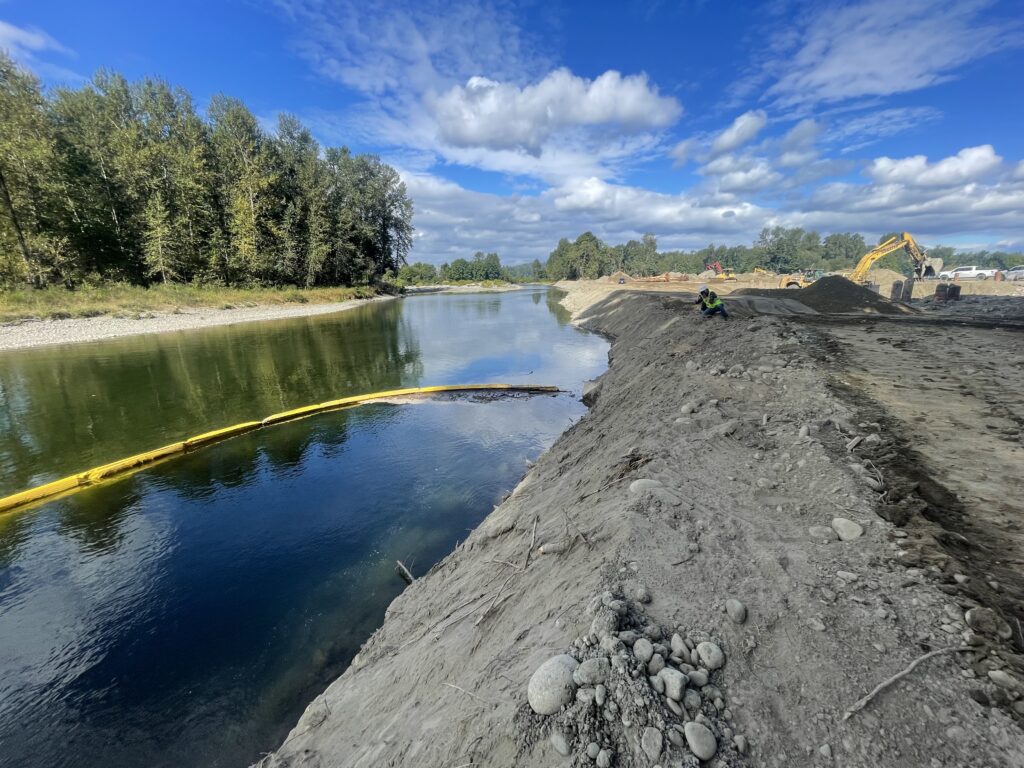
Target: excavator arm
(923, 266)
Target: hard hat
(702, 288)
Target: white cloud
(802, 135)
(28, 45)
(1018, 173)
(743, 129)
(683, 151)
(970, 164)
(734, 173)
(880, 48)
(486, 113)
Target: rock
(604, 759)
(643, 649)
(586, 696)
(605, 622)
(825, 751)
(674, 706)
(821, 533)
(656, 664)
(698, 678)
(552, 686)
(687, 408)
(600, 692)
(560, 743)
(675, 737)
(737, 611)
(628, 637)
(847, 575)
(675, 683)
(678, 646)
(653, 631)
(651, 742)
(642, 594)
(657, 683)
(847, 530)
(741, 743)
(592, 671)
(639, 486)
(700, 740)
(618, 606)
(804, 432)
(816, 624)
(1006, 680)
(593, 748)
(591, 390)
(986, 621)
(691, 699)
(711, 655)
(611, 645)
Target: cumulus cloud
(969, 164)
(486, 113)
(734, 173)
(743, 130)
(880, 48)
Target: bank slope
(736, 427)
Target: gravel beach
(39, 333)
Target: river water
(187, 614)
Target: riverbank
(39, 333)
(748, 485)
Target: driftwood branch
(468, 693)
(533, 542)
(404, 572)
(899, 676)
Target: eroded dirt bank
(753, 438)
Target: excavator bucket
(930, 267)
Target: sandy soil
(751, 438)
(39, 333)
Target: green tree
(158, 249)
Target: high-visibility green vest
(711, 303)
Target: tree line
(779, 249)
(483, 266)
(120, 181)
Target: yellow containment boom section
(131, 464)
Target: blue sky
(515, 124)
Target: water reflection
(185, 615)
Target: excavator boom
(923, 266)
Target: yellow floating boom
(131, 464)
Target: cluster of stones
(628, 685)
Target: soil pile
(834, 295)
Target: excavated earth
(719, 462)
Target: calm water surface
(187, 614)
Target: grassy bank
(131, 301)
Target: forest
(778, 249)
(127, 182)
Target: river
(185, 615)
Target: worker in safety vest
(712, 305)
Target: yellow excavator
(923, 266)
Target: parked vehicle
(1015, 273)
(968, 273)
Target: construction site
(790, 539)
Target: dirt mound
(834, 295)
